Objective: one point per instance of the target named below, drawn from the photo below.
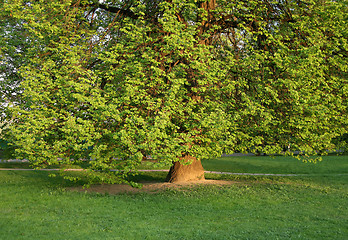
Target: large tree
(115, 81)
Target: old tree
(116, 81)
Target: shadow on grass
(54, 180)
(39, 179)
(23, 165)
(149, 177)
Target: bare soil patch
(148, 187)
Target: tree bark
(184, 173)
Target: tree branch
(123, 12)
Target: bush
(341, 142)
(6, 151)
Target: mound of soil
(148, 187)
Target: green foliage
(342, 142)
(6, 151)
(116, 81)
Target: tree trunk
(185, 173)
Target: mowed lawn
(332, 164)
(313, 205)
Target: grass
(34, 206)
(15, 165)
(333, 164)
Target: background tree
(116, 81)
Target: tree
(115, 81)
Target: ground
(149, 187)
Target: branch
(123, 12)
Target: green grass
(279, 165)
(14, 165)
(35, 206)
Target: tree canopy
(115, 81)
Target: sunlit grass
(333, 164)
(35, 206)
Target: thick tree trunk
(184, 173)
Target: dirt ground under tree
(148, 187)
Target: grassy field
(333, 164)
(314, 206)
